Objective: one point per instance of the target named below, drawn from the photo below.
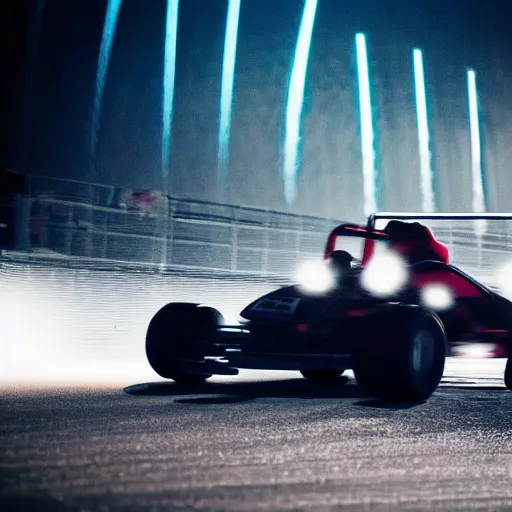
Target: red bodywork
(370, 234)
(461, 285)
(479, 314)
(449, 276)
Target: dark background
(51, 79)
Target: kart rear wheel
(180, 331)
(402, 354)
(508, 374)
(322, 375)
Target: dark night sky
(454, 34)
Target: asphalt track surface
(85, 425)
(260, 441)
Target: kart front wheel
(322, 375)
(508, 374)
(402, 354)
(180, 331)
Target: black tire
(402, 354)
(508, 374)
(322, 375)
(178, 331)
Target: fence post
(104, 240)
(21, 206)
(88, 223)
(234, 242)
(298, 240)
(162, 226)
(69, 232)
(266, 244)
(172, 220)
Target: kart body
(395, 340)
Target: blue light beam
(478, 202)
(109, 29)
(226, 98)
(296, 100)
(367, 134)
(426, 178)
(171, 36)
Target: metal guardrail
(78, 219)
(85, 220)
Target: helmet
(341, 259)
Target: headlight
(437, 296)
(385, 274)
(316, 277)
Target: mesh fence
(144, 227)
(93, 221)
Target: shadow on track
(285, 388)
(233, 393)
(379, 404)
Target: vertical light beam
(427, 190)
(171, 32)
(296, 100)
(107, 39)
(367, 135)
(478, 202)
(226, 98)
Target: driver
(341, 260)
(415, 242)
(347, 274)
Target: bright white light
(231, 315)
(475, 350)
(296, 100)
(437, 296)
(505, 280)
(423, 134)
(385, 274)
(476, 158)
(171, 31)
(316, 277)
(77, 325)
(226, 98)
(367, 136)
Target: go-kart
(389, 318)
